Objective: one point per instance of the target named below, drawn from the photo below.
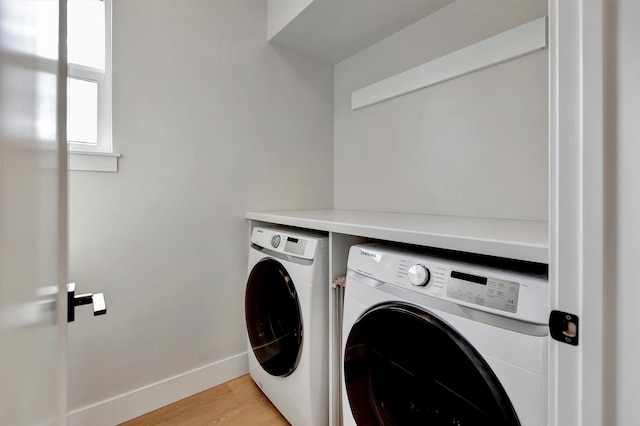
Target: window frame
(103, 80)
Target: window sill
(93, 161)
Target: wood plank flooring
(237, 402)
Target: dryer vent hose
(338, 284)
(340, 281)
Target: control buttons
(275, 241)
(419, 275)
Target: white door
(33, 216)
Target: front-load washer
(286, 312)
(428, 340)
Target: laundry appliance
(431, 339)
(286, 312)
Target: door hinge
(564, 327)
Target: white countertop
(514, 239)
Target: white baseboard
(141, 401)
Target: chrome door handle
(99, 305)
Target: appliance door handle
(371, 282)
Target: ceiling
(333, 30)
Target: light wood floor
(237, 402)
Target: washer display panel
(273, 317)
(405, 366)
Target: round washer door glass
(405, 366)
(274, 321)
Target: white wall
(211, 121)
(473, 146)
(622, 244)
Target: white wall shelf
(511, 44)
(513, 239)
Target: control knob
(419, 275)
(275, 241)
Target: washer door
(405, 366)
(274, 319)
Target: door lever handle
(99, 305)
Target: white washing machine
(434, 341)
(286, 311)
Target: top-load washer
(435, 341)
(286, 311)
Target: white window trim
(104, 107)
(85, 157)
(93, 161)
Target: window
(89, 84)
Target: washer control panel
(481, 290)
(302, 246)
(490, 289)
(484, 291)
